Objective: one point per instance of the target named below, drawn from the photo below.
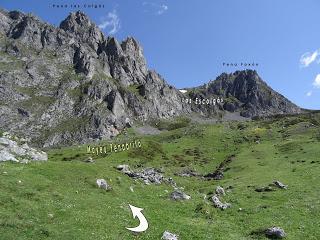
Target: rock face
(246, 92)
(72, 84)
(14, 150)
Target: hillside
(59, 199)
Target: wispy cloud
(309, 57)
(308, 94)
(316, 82)
(111, 22)
(155, 8)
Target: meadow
(59, 199)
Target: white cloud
(309, 94)
(308, 58)
(111, 21)
(162, 9)
(155, 8)
(316, 81)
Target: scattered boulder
(89, 160)
(218, 204)
(169, 236)
(220, 190)
(179, 195)
(102, 183)
(280, 185)
(147, 175)
(275, 233)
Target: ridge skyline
(174, 83)
(176, 56)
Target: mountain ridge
(73, 84)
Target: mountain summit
(73, 84)
(246, 92)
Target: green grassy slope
(59, 199)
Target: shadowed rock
(275, 233)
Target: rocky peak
(239, 84)
(76, 21)
(79, 24)
(247, 92)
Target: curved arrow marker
(136, 212)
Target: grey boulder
(179, 195)
(218, 204)
(280, 185)
(220, 190)
(275, 233)
(169, 236)
(102, 183)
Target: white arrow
(136, 212)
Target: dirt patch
(218, 173)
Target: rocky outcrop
(17, 150)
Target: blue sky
(188, 41)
